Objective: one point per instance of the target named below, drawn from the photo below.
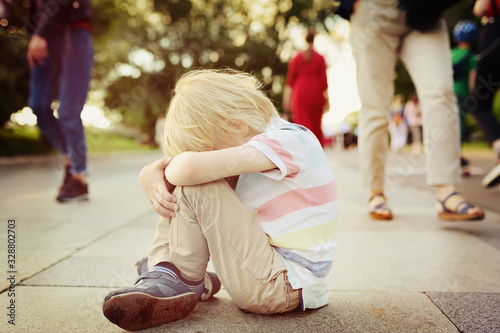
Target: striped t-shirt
(297, 206)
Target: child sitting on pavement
(251, 192)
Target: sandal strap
(377, 195)
(382, 205)
(464, 204)
(448, 196)
(443, 202)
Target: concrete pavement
(414, 274)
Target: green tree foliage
(150, 44)
(14, 72)
(142, 46)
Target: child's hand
(157, 188)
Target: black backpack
(424, 15)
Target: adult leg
(487, 84)
(44, 83)
(374, 38)
(462, 111)
(304, 114)
(44, 80)
(427, 58)
(317, 116)
(416, 133)
(77, 59)
(77, 63)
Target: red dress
(308, 82)
(490, 11)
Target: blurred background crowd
(142, 46)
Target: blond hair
(208, 107)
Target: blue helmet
(465, 31)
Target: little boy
(463, 59)
(253, 193)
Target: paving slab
(56, 309)
(411, 277)
(71, 309)
(125, 242)
(48, 232)
(87, 272)
(414, 274)
(470, 312)
(415, 260)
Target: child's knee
(206, 190)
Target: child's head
(209, 108)
(465, 32)
(310, 36)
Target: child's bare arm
(157, 189)
(480, 7)
(192, 168)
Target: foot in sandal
(378, 208)
(453, 207)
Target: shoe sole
(80, 198)
(378, 217)
(492, 178)
(137, 311)
(453, 217)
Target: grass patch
(22, 141)
(28, 140)
(476, 145)
(102, 141)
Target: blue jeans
(64, 75)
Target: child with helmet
(465, 34)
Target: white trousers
(379, 36)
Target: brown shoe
(73, 190)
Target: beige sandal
(460, 212)
(376, 212)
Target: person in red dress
(305, 93)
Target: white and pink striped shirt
(297, 206)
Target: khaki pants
(378, 37)
(213, 223)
